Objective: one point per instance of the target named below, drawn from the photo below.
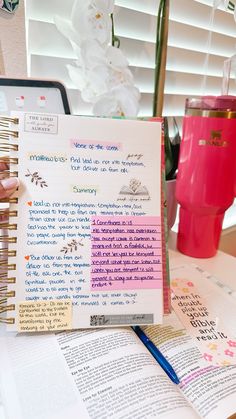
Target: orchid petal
(105, 106)
(96, 84)
(105, 5)
(77, 76)
(65, 27)
(100, 70)
(118, 102)
(116, 57)
(92, 53)
(92, 23)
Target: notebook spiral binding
(6, 226)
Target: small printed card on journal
(201, 322)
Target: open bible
(109, 373)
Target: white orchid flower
(111, 60)
(92, 20)
(77, 75)
(106, 5)
(88, 20)
(100, 70)
(91, 82)
(121, 101)
(120, 77)
(115, 57)
(65, 27)
(92, 53)
(96, 84)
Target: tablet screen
(32, 96)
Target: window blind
(189, 47)
(198, 44)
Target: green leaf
(231, 6)
(10, 5)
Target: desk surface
(222, 265)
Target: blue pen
(159, 357)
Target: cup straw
(228, 65)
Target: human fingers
(3, 166)
(8, 186)
(4, 163)
(4, 170)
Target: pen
(159, 357)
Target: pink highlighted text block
(126, 253)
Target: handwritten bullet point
(29, 203)
(27, 257)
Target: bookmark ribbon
(210, 334)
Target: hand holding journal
(86, 243)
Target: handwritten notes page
(89, 222)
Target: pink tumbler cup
(205, 183)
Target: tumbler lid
(218, 103)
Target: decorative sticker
(208, 331)
(43, 124)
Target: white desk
(222, 265)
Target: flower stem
(157, 57)
(160, 56)
(115, 41)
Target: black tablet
(31, 95)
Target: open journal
(86, 242)
(108, 373)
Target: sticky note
(42, 316)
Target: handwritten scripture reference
(44, 316)
(126, 253)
